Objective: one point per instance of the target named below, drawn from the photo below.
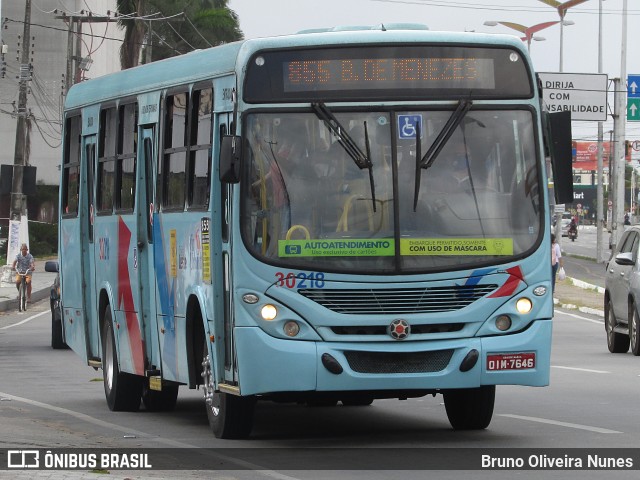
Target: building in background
(49, 46)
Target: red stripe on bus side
(125, 298)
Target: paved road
(580, 256)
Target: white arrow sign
(633, 109)
(633, 88)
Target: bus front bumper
(271, 365)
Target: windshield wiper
(360, 158)
(438, 144)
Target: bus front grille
(383, 329)
(398, 300)
(398, 362)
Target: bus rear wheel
(230, 416)
(123, 390)
(470, 408)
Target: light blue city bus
(331, 217)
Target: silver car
(622, 295)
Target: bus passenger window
(200, 148)
(175, 150)
(107, 160)
(71, 167)
(126, 163)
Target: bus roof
(226, 59)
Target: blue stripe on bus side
(165, 293)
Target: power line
(501, 8)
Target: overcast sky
(259, 18)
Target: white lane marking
(140, 434)
(94, 421)
(580, 369)
(26, 320)
(560, 424)
(580, 317)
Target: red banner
(585, 156)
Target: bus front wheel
(123, 390)
(230, 416)
(470, 408)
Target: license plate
(511, 361)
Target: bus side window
(106, 161)
(126, 160)
(175, 150)
(71, 167)
(200, 148)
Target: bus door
(222, 233)
(88, 248)
(144, 239)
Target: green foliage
(43, 239)
(177, 27)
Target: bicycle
(22, 290)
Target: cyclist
(24, 261)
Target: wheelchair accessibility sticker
(408, 126)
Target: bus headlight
(524, 305)
(269, 312)
(291, 328)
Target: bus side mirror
(230, 158)
(558, 142)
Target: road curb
(584, 285)
(36, 296)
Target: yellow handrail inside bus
(295, 228)
(343, 223)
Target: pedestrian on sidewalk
(556, 261)
(24, 262)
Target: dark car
(57, 337)
(622, 295)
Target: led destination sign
(396, 72)
(388, 73)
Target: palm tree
(133, 31)
(203, 23)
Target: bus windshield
(309, 203)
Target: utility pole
(18, 223)
(17, 203)
(74, 52)
(600, 176)
(614, 165)
(619, 126)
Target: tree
(174, 27)
(133, 31)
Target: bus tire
(122, 390)
(470, 408)
(616, 342)
(229, 416)
(160, 401)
